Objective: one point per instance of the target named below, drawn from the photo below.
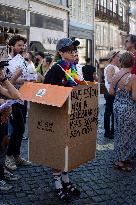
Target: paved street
(100, 184)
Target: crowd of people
(64, 70)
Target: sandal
(123, 166)
(71, 189)
(129, 162)
(62, 195)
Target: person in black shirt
(89, 71)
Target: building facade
(81, 26)
(48, 23)
(132, 19)
(43, 22)
(111, 25)
(111, 28)
(13, 17)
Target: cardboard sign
(17, 62)
(62, 136)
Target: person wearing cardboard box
(64, 73)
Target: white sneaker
(9, 176)
(4, 186)
(10, 163)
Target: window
(61, 2)
(12, 15)
(98, 35)
(41, 21)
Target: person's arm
(14, 79)
(9, 90)
(111, 90)
(6, 88)
(134, 88)
(95, 76)
(5, 114)
(40, 78)
(110, 73)
(112, 85)
(2, 101)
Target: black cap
(66, 42)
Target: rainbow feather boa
(72, 71)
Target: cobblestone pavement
(99, 183)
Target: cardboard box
(62, 124)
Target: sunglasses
(68, 50)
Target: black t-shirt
(88, 72)
(54, 76)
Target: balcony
(106, 14)
(124, 26)
(109, 16)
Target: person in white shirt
(30, 63)
(109, 71)
(14, 159)
(78, 66)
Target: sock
(65, 177)
(57, 180)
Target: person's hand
(39, 77)
(16, 75)
(18, 72)
(5, 114)
(2, 101)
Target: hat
(112, 54)
(65, 42)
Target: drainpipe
(68, 19)
(28, 23)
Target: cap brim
(110, 58)
(76, 43)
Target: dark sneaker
(9, 176)
(62, 195)
(4, 186)
(109, 135)
(21, 161)
(71, 189)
